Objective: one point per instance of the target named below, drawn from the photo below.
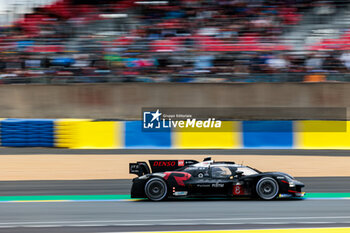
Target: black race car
(189, 178)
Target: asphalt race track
(171, 215)
(178, 215)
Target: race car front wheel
(267, 188)
(156, 189)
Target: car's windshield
(220, 172)
(254, 169)
(247, 171)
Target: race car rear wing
(139, 168)
(142, 168)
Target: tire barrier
(27, 133)
(94, 134)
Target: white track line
(167, 221)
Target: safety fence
(94, 134)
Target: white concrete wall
(125, 100)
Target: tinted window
(247, 171)
(220, 172)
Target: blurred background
(77, 74)
(76, 41)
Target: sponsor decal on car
(217, 185)
(164, 163)
(238, 190)
(181, 163)
(203, 185)
(179, 177)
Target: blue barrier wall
(267, 134)
(134, 137)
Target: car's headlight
(143, 177)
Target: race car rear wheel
(267, 188)
(156, 189)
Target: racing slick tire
(156, 189)
(267, 188)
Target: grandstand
(75, 41)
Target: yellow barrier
(322, 135)
(209, 138)
(99, 135)
(87, 134)
(66, 132)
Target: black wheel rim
(267, 189)
(156, 190)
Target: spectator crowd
(167, 41)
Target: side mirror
(239, 174)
